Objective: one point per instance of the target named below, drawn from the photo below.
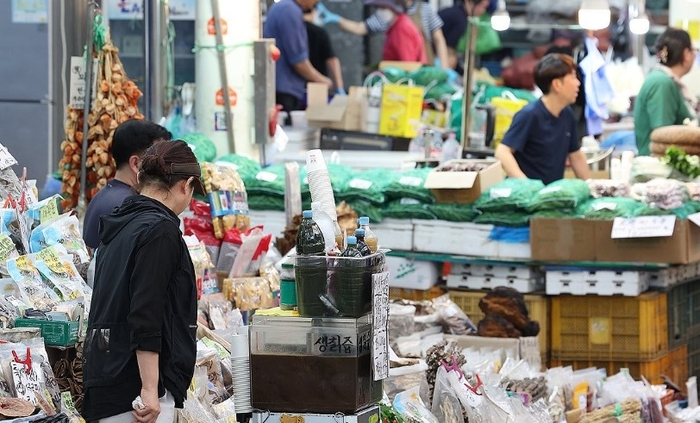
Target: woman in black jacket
(141, 338)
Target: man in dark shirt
(321, 54)
(130, 140)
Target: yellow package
(401, 109)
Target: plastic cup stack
(320, 182)
(240, 367)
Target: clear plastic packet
(209, 360)
(64, 230)
(225, 411)
(445, 405)
(251, 293)
(411, 407)
(452, 317)
(23, 270)
(25, 368)
(61, 273)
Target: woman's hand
(151, 410)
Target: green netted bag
(246, 167)
(367, 185)
(429, 75)
(607, 208)
(440, 91)
(202, 147)
(564, 194)
(394, 74)
(553, 214)
(363, 208)
(681, 212)
(453, 212)
(407, 208)
(269, 181)
(513, 219)
(409, 184)
(511, 194)
(266, 202)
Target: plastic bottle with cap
(361, 244)
(309, 237)
(370, 238)
(351, 250)
(450, 148)
(326, 224)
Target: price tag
(409, 201)
(266, 176)
(500, 193)
(362, 184)
(411, 181)
(76, 98)
(6, 159)
(48, 211)
(643, 227)
(6, 246)
(604, 206)
(380, 315)
(26, 382)
(548, 190)
(695, 218)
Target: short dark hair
(671, 45)
(133, 137)
(164, 164)
(553, 66)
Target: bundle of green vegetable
(688, 165)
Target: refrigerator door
(24, 110)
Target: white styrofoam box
(412, 274)
(394, 234)
(368, 415)
(514, 250)
(274, 222)
(504, 271)
(485, 282)
(687, 271)
(663, 278)
(464, 239)
(598, 282)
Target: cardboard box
(344, 112)
(591, 240)
(401, 110)
(464, 187)
(563, 239)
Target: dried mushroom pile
(458, 166)
(115, 101)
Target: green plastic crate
(60, 334)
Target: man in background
(455, 24)
(285, 23)
(321, 54)
(130, 140)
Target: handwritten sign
(380, 316)
(76, 98)
(6, 247)
(6, 159)
(26, 382)
(48, 211)
(643, 227)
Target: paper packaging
(591, 240)
(463, 187)
(344, 112)
(401, 110)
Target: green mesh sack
(269, 181)
(681, 212)
(513, 219)
(407, 208)
(394, 74)
(562, 194)
(427, 75)
(409, 184)
(363, 208)
(202, 147)
(607, 208)
(367, 185)
(508, 195)
(266, 202)
(440, 91)
(553, 214)
(453, 212)
(246, 167)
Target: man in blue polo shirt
(285, 23)
(543, 134)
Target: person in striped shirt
(423, 16)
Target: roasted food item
(497, 326)
(509, 304)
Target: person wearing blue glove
(423, 16)
(321, 54)
(285, 23)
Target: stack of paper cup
(320, 182)
(240, 367)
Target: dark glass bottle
(361, 244)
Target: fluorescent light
(500, 20)
(594, 14)
(640, 24)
